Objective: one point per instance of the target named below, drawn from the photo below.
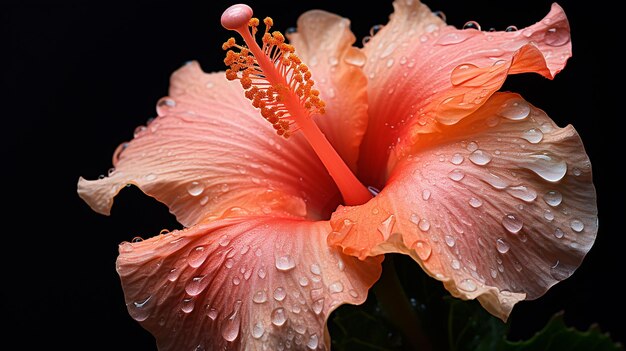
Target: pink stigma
(236, 16)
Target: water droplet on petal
(512, 223)
(261, 273)
(315, 269)
(475, 203)
(355, 58)
(456, 159)
(559, 272)
(375, 29)
(424, 225)
(279, 317)
(558, 233)
(280, 294)
(523, 193)
(211, 313)
(423, 250)
(187, 305)
(471, 25)
(456, 264)
(285, 263)
(452, 38)
(547, 214)
(456, 175)
(257, 330)
(313, 341)
(553, 198)
(480, 157)
(546, 166)
(259, 297)
(425, 194)
(335, 287)
(139, 310)
(577, 225)
(304, 281)
(502, 246)
(318, 306)
(472, 146)
(511, 29)
(533, 135)
(195, 188)
(449, 240)
(230, 326)
(164, 105)
(197, 256)
(467, 285)
(557, 36)
(386, 227)
(515, 109)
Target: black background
(78, 78)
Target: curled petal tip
(236, 16)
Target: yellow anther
(269, 22)
(254, 22)
(278, 36)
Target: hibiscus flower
(403, 146)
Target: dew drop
(467, 285)
(386, 227)
(559, 272)
(224, 241)
(456, 175)
(553, 198)
(557, 36)
(480, 157)
(523, 193)
(449, 240)
(547, 214)
(195, 188)
(335, 287)
(389, 64)
(285, 263)
(502, 246)
(475, 203)
(515, 109)
(164, 105)
(211, 313)
(259, 296)
(375, 29)
(533, 135)
(280, 294)
(424, 225)
(511, 29)
(426, 194)
(257, 330)
(187, 305)
(279, 317)
(229, 263)
(577, 225)
(315, 269)
(196, 285)
(472, 146)
(455, 264)
(355, 58)
(230, 326)
(423, 250)
(303, 281)
(452, 38)
(492, 121)
(558, 233)
(318, 306)
(512, 223)
(546, 166)
(139, 310)
(457, 159)
(261, 273)
(197, 256)
(313, 341)
(471, 25)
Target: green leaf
(556, 336)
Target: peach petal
(241, 283)
(210, 153)
(423, 73)
(499, 207)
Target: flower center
(280, 85)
